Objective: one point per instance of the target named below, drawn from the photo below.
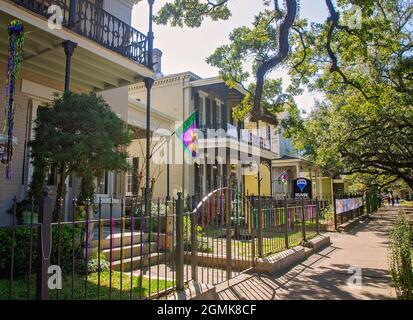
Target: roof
(216, 80)
(292, 158)
(287, 157)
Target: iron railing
(95, 252)
(91, 21)
(347, 208)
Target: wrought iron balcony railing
(90, 20)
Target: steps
(128, 237)
(144, 251)
(127, 250)
(139, 261)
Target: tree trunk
(87, 189)
(61, 192)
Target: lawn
(83, 290)
(273, 239)
(406, 203)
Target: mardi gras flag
(283, 177)
(188, 136)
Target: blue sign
(303, 188)
(301, 184)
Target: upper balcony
(109, 54)
(91, 21)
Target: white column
(321, 184)
(310, 177)
(204, 174)
(298, 170)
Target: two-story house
(229, 151)
(95, 49)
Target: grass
(275, 243)
(273, 239)
(83, 290)
(406, 203)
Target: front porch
(109, 55)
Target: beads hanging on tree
(16, 41)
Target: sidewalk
(325, 275)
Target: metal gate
(219, 237)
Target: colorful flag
(188, 135)
(283, 177)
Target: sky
(185, 49)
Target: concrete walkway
(325, 275)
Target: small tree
(139, 173)
(78, 133)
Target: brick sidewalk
(325, 275)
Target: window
(129, 183)
(218, 114)
(102, 184)
(202, 112)
(132, 177)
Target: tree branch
(334, 19)
(257, 113)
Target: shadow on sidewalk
(304, 282)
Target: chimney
(157, 60)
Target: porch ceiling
(221, 90)
(44, 56)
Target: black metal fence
(105, 254)
(347, 208)
(91, 257)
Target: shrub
(24, 212)
(188, 228)
(400, 257)
(327, 214)
(157, 222)
(202, 245)
(93, 264)
(22, 251)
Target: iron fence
(95, 254)
(347, 208)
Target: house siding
(13, 187)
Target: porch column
(69, 48)
(321, 185)
(148, 84)
(315, 182)
(271, 180)
(259, 165)
(331, 190)
(310, 177)
(297, 166)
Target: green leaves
(192, 12)
(365, 124)
(401, 257)
(81, 134)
